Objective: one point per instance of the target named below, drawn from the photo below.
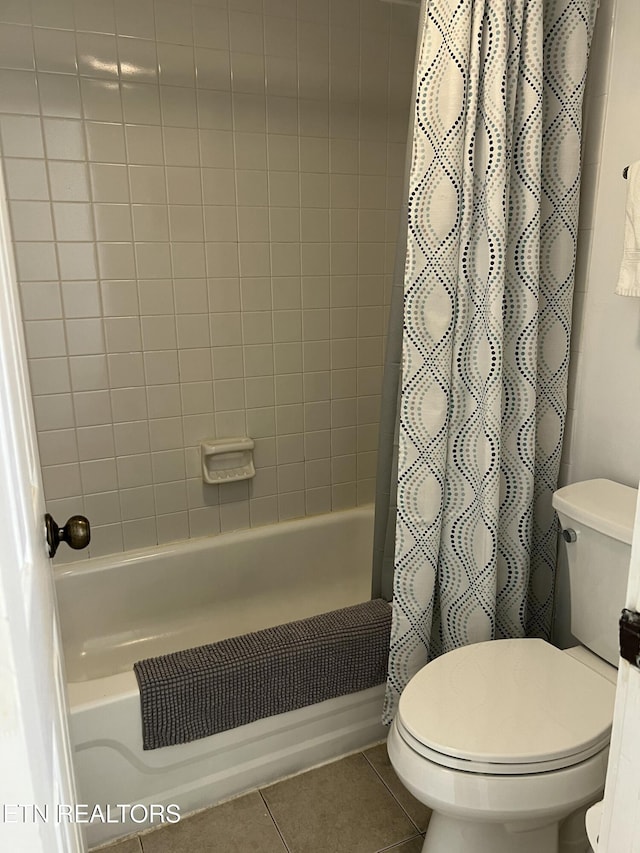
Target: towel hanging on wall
(629, 278)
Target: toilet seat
(506, 707)
(496, 768)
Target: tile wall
(203, 199)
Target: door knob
(76, 533)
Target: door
(620, 827)
(36, 774)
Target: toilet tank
(601, 514)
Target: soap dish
(226, 460)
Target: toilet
(507, 741)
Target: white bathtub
(116, 610)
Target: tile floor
(354, 805)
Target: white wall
(603, 436)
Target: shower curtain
(492, 226)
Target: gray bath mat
(199, 692)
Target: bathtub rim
(203, 543)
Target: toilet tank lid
(603, 505)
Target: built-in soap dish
(225, 460)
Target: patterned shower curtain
(493, 216)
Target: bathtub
(116, 610)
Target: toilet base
(452, 835)
(480, 813)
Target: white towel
(629, 278)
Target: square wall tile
(204, 205)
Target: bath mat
(202, 691)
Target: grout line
(392, 794)
(275, 822)
(136, 279)
(162, 127)
(46, 160)
(399, 844)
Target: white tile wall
(204, 199)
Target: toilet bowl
(516, 742)
(507, 741)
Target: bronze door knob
(76, 533)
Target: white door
(620, 827)
(35, 754)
